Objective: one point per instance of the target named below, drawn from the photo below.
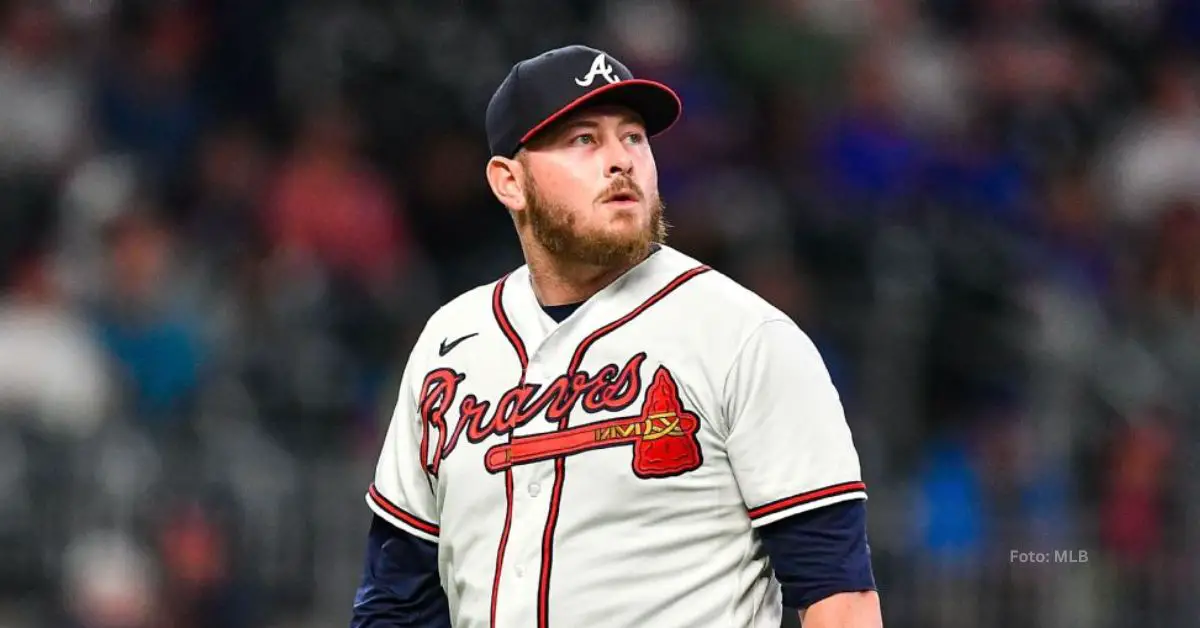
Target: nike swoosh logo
(447, 347)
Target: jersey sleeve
(787, 438)
(402, 492)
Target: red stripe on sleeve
(401, 514)
(804, 498)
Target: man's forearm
(844, 610)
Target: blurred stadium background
(222, 223)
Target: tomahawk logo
(600, 67)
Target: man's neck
(556, 282)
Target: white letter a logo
(599, 67)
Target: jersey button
(520, 572)
(534, 489)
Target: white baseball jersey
(609, 470)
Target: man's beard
(553, 226)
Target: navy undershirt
(399, 585)
(814, 554)
(560, 312)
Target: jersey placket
(521, 552)
(529, 508)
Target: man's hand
(844, 610)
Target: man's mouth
(621, 197)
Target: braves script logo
(662, 433)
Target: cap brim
(658, 105)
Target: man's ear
(506, 178)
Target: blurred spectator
(329, 206)
(1038, 86)
(142, 323)
(199, 589)
(1156, 157)
(225, 219)
(870, 162)
(1138, 514)
(1173, 273)
(929, 71)
(1075, 239)
(51, 369)
(109, 582)
(42, 94)
(1169, 309)
(97, 191)
(146, 102)
(1069, 285)
(1133, 523)
(949, 517)
(951, 535)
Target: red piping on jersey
(506, 326)
(402, 515)
(508, 497)
(519, 347)
(560, 464)
(609, 328)
(804, 498)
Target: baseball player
(614, 434)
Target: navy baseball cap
(542, 89)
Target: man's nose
(620, 162)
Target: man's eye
(584, 138)
(635, 138)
